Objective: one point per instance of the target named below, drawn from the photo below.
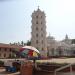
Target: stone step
(67, 73)
(52, 73)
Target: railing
(63, 67)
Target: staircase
(68, 69)
(57, 71)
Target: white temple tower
(38, 34)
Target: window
(36, 16)
(36, 22)
(41, 29)
(36, 35)
(41, 16)
(41, 35)
(5, 55)
(5, 49)
(36, 41)
(36, 28)
(41, 22)
(10, 49)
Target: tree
(73, 41)
(28, 43)
(22, 43)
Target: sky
(15, 19)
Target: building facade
(6, 50)
(60, 48)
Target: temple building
(48, 44)
(38, 33)
(61, 48)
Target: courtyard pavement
(3, 72)
(59, 60)
(54, 60)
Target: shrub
(1, 63)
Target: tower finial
(66, 37)
(38, 8)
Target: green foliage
(1, 63)
(73, 41)
(21, 43)
(28, 43)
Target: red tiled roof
(9, 46)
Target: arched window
(41, 16)
(41, 29)
(36, 16)
(36, 41)
(5, 49)
(41, 22)
(37, 28)
(36, 35)
(5, 55)
(36, 22)
(41, 35)
(10, 49)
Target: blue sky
(15, 18)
